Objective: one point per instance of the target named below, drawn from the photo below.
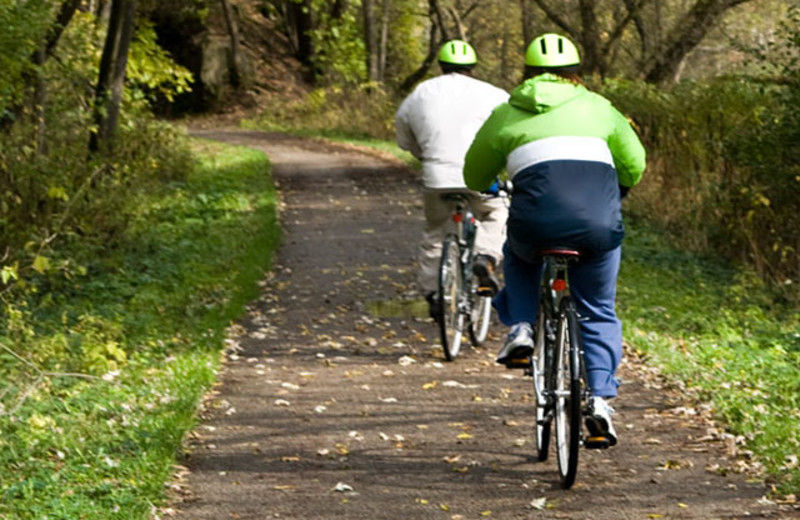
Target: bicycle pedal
(596, 443)
(485, 291)
(516, 364)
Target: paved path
(336, 403)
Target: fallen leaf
(406, 360)
(342, 487)
(342, 449)
(538, 503)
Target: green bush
(365, 110)
(723, 171)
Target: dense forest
(710, 84)
(95, 94)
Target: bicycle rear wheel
(539, 367)
(568, 392)
(480, 316)
(451, 322)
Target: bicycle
(462, 302)
(558, 370)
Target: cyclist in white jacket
(437, 123)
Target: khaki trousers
(491, 214)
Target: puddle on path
(398, 308)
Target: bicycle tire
(480, 317)
(568, 393)
(539, 368)
(451, 321)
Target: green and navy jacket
(567, 151)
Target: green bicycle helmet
(552, 51)
(457, 52)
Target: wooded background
(86, 85)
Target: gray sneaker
(599, 420)
(518, 346)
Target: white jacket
(438, 121)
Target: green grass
(151, 317)
(719, 331)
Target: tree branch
(554, 17)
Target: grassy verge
(154, 314)
(718, 331)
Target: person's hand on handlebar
(494, 189)
(498, 187)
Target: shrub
(722, 169)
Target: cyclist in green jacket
(571, 157)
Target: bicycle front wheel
(480, 316)
(568, 392)
(451, 281)
(539, 367)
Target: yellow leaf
(655, 515)
(41, 264)
(431, 385)
(444, 507)
(682, 505)
(464, 436)
(342, 449)
(57, 192)
(486, 513)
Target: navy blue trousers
(593, 285)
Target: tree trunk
(370, 39)
(591, 61)
(383, 48)
(111, 77)
(33, 78)
(528, 33)
(665, 64)
(433, 50)
(233, 32)
(436, 10)
(304, 24)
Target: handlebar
(499, 188)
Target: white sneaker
(518, 346)
(599, 420)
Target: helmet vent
(561, 46)
(543, 45)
